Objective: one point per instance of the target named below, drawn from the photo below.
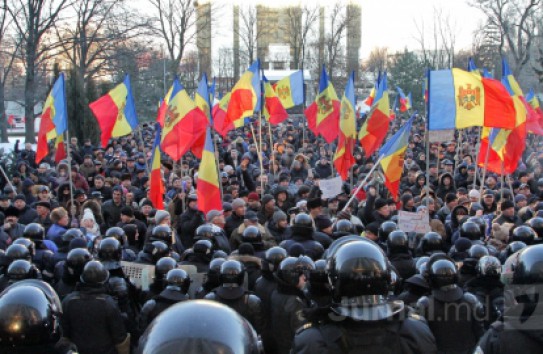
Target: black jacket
(304, 237)
(92, 320)
(189, 221)
(158, 304)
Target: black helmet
(178, 278)
(110, 252)
(478, 251)
(529, 269)
(442, 272)
(28, 316)
(343, 240)
(117, 233)
(523, 233)
(232, 272)
(319, 274)
(471, 231)
(479, 221)
(514, 247)
(27, 243)
(344, 226)
(421, 265)
(162, 233)
(204, 232)
(34, 231)
(540, 182)
(159, 250)
(252, 235)
(219, 254)
(536, 223)
(199, 326)
(71, 234)
(21, 269)
(163, 266)
(489, 267)
(397, 242)
(303, 220)
(273, 257)
(291, 268)
(357, 269)
(385, 229)
(15, 252)
(77, 259)
(202, 247)
(214, 271)
(431, 242)
(94, 273)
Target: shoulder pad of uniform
(469, 297)
(304, 327)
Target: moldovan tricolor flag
(290, 89)
(116, 112)
(219, 116)
(323, 114)
(245, 98)
(61, 150)
(54, 118)
(274, 111)
(202, 98)
(375, 128)
(369, 100)
(343, 158)
(459, 99)
(184, 123)
(393, 156)
(405, 103)
(156, 193)
(207, 190)
(535, 104)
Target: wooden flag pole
(501, 184)
(484, 171)
(477, 148)
(272, 152)
(260, 157)
(363, 182)
(511, 189)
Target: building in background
(354, 37)
(203, 36)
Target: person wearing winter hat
(376, 209)
(508, 215)
(278, 226)
(267, 210)
(26, 213)
(323, 224)
(253, 201)
(236, 218)
(89, 226)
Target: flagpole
(484, 169)
(143, 143)
(477, 148)
(511, 189)
(68, 148)
(501, 184)
(427, 139)
(216, 159)
(7, 179)
(362, 183)
(272, 151)
(458, 148)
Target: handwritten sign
(414, 222)
(331, 187)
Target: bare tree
(9, 47)
(249, 33)
(517, 21)
(226, 73)
(33, 19)
(301, 20)
(377, 60)
(334, 41)
(437, 49)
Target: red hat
(253, 196)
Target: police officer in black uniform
(398, 254)
(199, 326)
(302, 233)
(43, 257)
(450, 310)
(362, 319)
(212, 278)
(91, 318)
(71, 271)
(178, 282)
(519, 330)
(232, 293)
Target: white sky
(391, 23)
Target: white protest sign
(439, 136)
(331, 187)
(414, 222)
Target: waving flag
(202, 98)
(54, 118)
(375, 128)
(163, 107)
(60, 154)
(208, 191)
(290, 89)
(369, 100)
(274, 111)
(219, 116)
(343, 158)
(184, 123)
(116, 112)
(245, 98)
(156, 193)
(534, 103)
(405, 103)
(323, 114)
(459, 99)
(393, 156)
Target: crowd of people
(284, 270)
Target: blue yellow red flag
(405, 104)
(273, 110)
(116, 112)
(290, 89)
(392, 157)
(323, 114)
(208, 190)
(156, 193)
(343, 158)
(202, 98)
(54, 118)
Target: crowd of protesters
(270, 252)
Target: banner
(414, 222)
(331, 187)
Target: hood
(454, 212)
(446, 174)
